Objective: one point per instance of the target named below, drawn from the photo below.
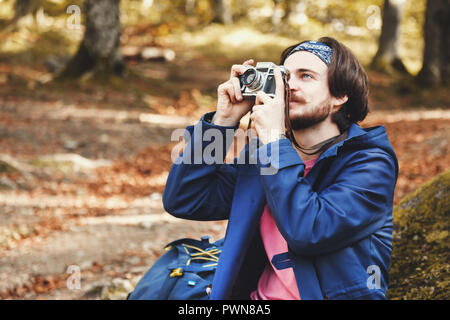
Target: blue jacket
(337, 220)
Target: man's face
(311, 101)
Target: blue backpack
(184, 272)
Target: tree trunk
(24, 7)
(189, 7)
(436, 56)
(21, 8)
(288, 9)
(387, 58)
(282, 11)
(277, 15)
(99, 52)
(222, 11)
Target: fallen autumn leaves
(61, 200)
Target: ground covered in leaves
(83, 167)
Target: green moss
(420, 257)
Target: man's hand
(268, 114)
(231, 106)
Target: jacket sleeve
(200, 185)
(355, 205)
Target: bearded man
(320, 226)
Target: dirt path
(121, 245)
(55, 213)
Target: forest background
(91, 91)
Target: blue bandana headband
(321, 50)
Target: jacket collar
(356, 134)
(373, 136)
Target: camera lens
(249, 76)
(252, 78)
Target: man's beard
(311, 117)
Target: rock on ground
(420, 258)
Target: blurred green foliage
(188, 23)
(254, 12)
(341, 15)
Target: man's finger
(256, 107)
(262, 98)
(253, 116)
(238, 69)
(237, 88)
(279, 85)
(229, 90)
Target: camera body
(260, 78)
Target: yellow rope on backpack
(210, 255)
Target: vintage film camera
(260, 78)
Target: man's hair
(346, 76)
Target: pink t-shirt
(276, 284)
